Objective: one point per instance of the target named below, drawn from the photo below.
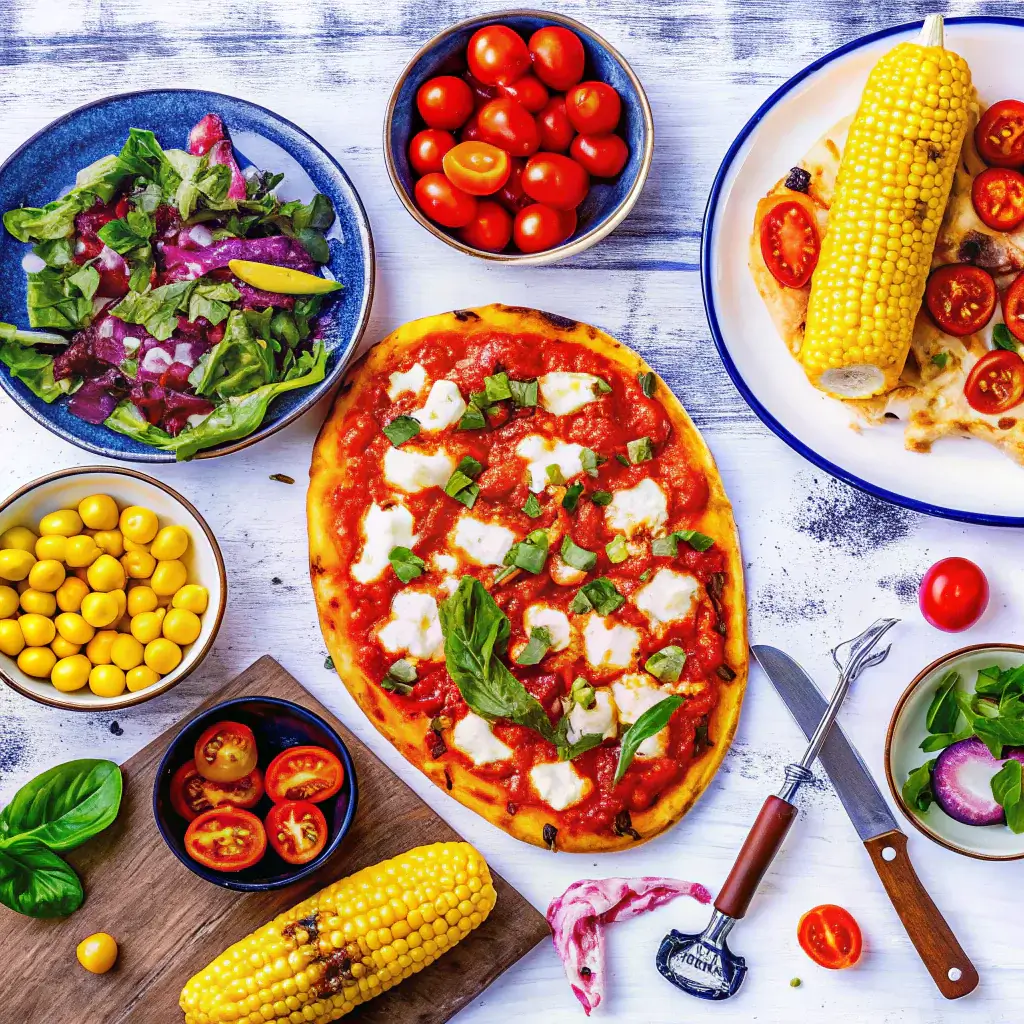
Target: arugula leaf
(524, 393)
(600, 497)
(590, 460)
(650, 723)
(598, 595)
(34, 369)
(1002, 338)
(640, 450)
(648, 383)
(666, 664)
(917, 791)
(944, 712)
(669, 545)
(497, 388)
(616, 549)
(407, 565)
(401, 429)
(530, 553)
(572, 497)
(579, 558)
(532, 507)
(538, 645)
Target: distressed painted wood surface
(822, 559)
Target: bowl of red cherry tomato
(255, 793)
(520, 137)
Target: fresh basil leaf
(538, 645)
(572, 497)
(524, 393)
(648, 383)
(944, 712)
(470, 466)
(529, 554)
(582, 693)
(645, 575)
(666, 664)
(640, 450)
(35, 882)
(554, 475)
(940, 359)
(616, 549)
(407, 565)
(472, 419)
(395, 686)
(575, 556)
(1002, 338)
(401, 429)
(403, 671)
(650, 723)
(601, 386)
(580, 604)
(590, 461)
(1006, 784)
(568, 751)
(668, 546)
(917, 790)
(599, 595)
(497, 388)
(600, 497)
(532, 507)
(698, 541)
(460, 484)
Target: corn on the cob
(893, 185)
(347, 943)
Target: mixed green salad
(136, 302)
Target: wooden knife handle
(949, 966)
(758, 851)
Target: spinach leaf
(130, 233)
(401, 429)
(917, 790)
(944, 712)
(576, 557)
(1006, 784)
(537, 646)
(34, 369)
(651, 722)
(941, 740)
(35, 882)
(666, 664)
(407, 566)
(143, 157)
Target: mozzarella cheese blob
(413, 471)
(473, 736)
(383, 529)
(634, 694)
(445, 563)
(669, 596)
(643, 507)
(444, 407)
(559, 785)
(563, 393)
(609, 646)
(556, 623)
(413, 380)
(601, 719)
(484, 543)
(414, 626)
(540, 453)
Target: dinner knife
(949, 966)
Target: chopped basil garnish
(577, 557)
(940, 359)
(460, 484)
(532, 507)
(538, 645)
(616, 549)
(601, 386)
(529, 554)
(1002, 338)
(590, 460)
(648, 383)
(401, 429)
(621, 458)
(598, 595)
(496, 388)
(524, 392)
(666, 664)
(650, 723)
(407, 566)
(669, 546)
(399, 678)
(572, 497)
(640, 450)
(554, 474)
(393, 686)
(582, 693)
(645, 575)
(600, 497)
(472, 419)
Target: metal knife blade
(857, 790)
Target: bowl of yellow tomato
(112, 589)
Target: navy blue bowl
(46, 166)
(277, 725)
(608, 202)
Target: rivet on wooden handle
(947, 963)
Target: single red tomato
(556, 133)
(1013, 307)
(226, 839)
(996, 382)
(297, 831)
(558, 57)
(538, 227)
(960, 298)
(427, 149)
(471, 130)
(444, 102)
(998, 197)
(593, 108)
(477, 167)
(789, 242)
(603, 156)
(191, 794)
(506, 123)
(490, 229)
(556, 181)
(830, 936)
(528, 91)
(304, 773)
(481, 93)
(497, 55)
(226, 751)
(1000, 134)
(953, 594)
(442, 202)
(512, 196)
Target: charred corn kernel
(65, 522)
(126, 652)
(168, 578)
(37, 662)
(38, 602)
(288, 961)
(146, 626)
(15, 564)
(181, 626)
(12, 640)
(141, 599)
(138, 524)
(140, 677)
(110, 542)
(891, 192)
(99, 512)
(138, 565)
(97, 953)
(170, 543)
(106, 681)
(47, 574)
(74, 628)
(70, 594)
(100, 610)
(98, 649)
(19, 537)
(162, 655)
(38, 630)
(64, 648)
(8, 602)
(71, 673)
(106, 574)
(54, 546)
(192, 597)
(81, 550)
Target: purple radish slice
(962, 782)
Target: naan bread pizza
(528, 574)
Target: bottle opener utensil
(703, 964)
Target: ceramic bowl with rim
(277, 725)
(903, 752)
(607, 204)
(203, 559)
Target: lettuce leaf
(126, 419)
(143, 157)
(237, 364)
(59, 299)
(156, 310)
(207, 186)
(34, 369)
(210, 299)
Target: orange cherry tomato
(304, 773)
(497, 55)
(442, 202)
(538, 227)
(226, 751)
(477, 167)
(960, 298)
(1000, 134)
(490, 229)
(506, 123)
(998, 197)
(953, 594)
(603, 156)
(297, 831)
(789, 243)
(226, 839)
(593, 108)
(528, 90)
(996, 382)
(427, 149)
(191, 794)
(1013, 307)
(830, 937)
(556, 181)
(558, 57)
(444, 102)
(512, 196)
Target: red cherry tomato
(477, 167)
(593, 108)
(538, 227)
(506, 123)
(226, 839)
(490, 229)
(558, 57)
(226, 751)
(528, 91)
(556, 181)
(953, 595)
(1000, 134)
(830, 937)
(961, 298)
(444, 102)
(304, 773)
(996, 382)
(556, 133)
(998, 197)
(603, 156)
(512, 196)
(1013, 307)
(187, 792)
(481, 93)
(191, 794)
(427, 149)
(442, 202)
(497, 55)
(297, 831)
(789, 242)
(471, 130)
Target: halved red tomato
(304, 773)
(996, 382)
(830, 936)
(477, 167)
(191, 794)
(1000, 134)
(998, 197)
(226, 751)
(297, 831)
(961, 298)
(790, 243)
(226, 839)
(1013, 307)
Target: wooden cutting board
(170, 923)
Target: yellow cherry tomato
(99, 512)
(37, 662)
(47, 574)
(138, 524)
(162, 655)
(54, 546)
(82, 550)
(38, 630)
(39, 602)
(22, 585)
(20, 537)
(142, 599)
(170, 543)
(140, 677)
(169, 578)
(12, 640)
(65, 523)
(130, 545)
(9, 602)
(181, 626)
(97, 953)
(82, 574)
(107, 681)
(71, 673)
(138, 565)
(192, 597)
(147, 625)
(110, 542)
(15, 564)
(126, 652)
(124, 624)
(98, 649)
(70, 594)
(64, 648)
(122, 601)
(100, 610)
(74, 628)
(106, 574)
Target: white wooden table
(822, 559)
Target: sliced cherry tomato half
(490, 229)
(1000, 134)
(497, 55)
(444, 102)
(304, 773)
(603, 156)
(512, 196)
(961, 298)
(528, 90)
(593, 108)
(427, 149)
(953, 594)
(830, 937)
(297, 831)
(538, 227)
(1013, 307)
(555, 131)
(226, 751)
(790, 243)
(506, 123)
(998, 197)
(477, 167)
(555, 180)
(191, 794)
(226, 839)
(558, 57)
(442, 202)
(995, 383)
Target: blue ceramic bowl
(46, 166)
(277, 725)
(608, 202)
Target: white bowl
(27, 505)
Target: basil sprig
(650, 723)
